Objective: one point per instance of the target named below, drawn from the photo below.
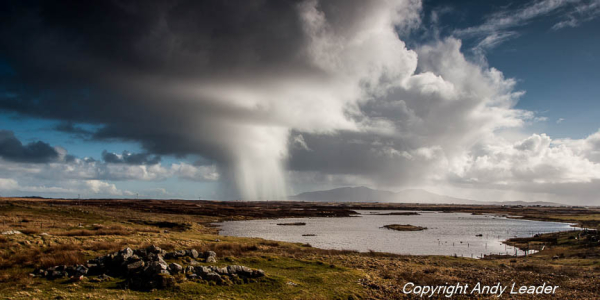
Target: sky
(257, 100)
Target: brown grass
(106, 245)
(36, 257)
(30, 231)
(13, 276)
(113, 230)
(61, 258)
(24, 257)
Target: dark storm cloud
(12, 149)
(130, 158)
(73, 129)
(105, 63)
(190, 77)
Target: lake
(446, 233)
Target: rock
(11, 232)
(153, 249)
(57, 274)
(175, 268)
(124, 254)
(220, 271)
(152, 256)
(179, 253)
(77, 277)
(258, 273)
(104, 277)
(212, 276)
(40, 272)
(192, 253)
(160, 260)
(101, 278)
(135, 266)
(70, 270)
(155, 268)
(94, 268)
(140, 252)
(81, 270)
(239, 270)
(211, 257)
(134, 258)
(201, 271)
(164, 272)
(165, 281)
(146, 269)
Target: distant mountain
(365, 194)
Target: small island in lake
(398, 213)
(292, 224)
(405, 227)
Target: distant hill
(365, 194)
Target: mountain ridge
(366, 194)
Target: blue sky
(558, 68)
(218, 123)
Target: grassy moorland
(57, 232)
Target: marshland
(66, 232)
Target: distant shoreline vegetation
(405, 227)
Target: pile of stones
(146, 269)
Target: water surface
(446, 234)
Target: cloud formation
(313, 90)
(12, 149)
(130, 158)
(502, 25)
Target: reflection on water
(458, 234)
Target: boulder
(212, 276)
(258, 273)
(220, 271)
(57, 274)
(134, 258)
(192, 253)
(211, 257)
(125, 253)
(164, 281)
(140, 252)
(81, 270)
(239, 270)
(190, 270)
(135, 266)
(153, 249)
(175, 268)
(155, 268)
(201, 271)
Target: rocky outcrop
(146, 269)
